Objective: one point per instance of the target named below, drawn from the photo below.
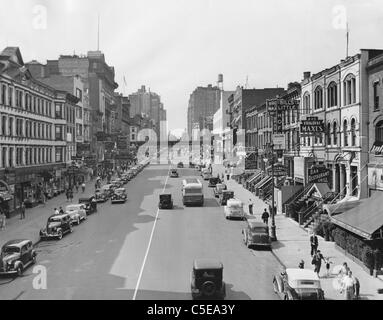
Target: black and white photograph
(204, 151)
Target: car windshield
(119, 191)
(11, 249)
(259, 230)
(72, 208)
(54, 219)
(235, 206)
(174, 171)
(193, 190)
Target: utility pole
(273, 227)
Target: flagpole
(347, 37)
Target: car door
(24, 254)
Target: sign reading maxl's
(312, 126)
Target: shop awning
(365, 219)
(320, 190)
(255, 177)
(261, 183)
(5, 196)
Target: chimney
(306, 75)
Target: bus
(192, 192)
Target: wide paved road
(123, 252)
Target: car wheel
(60, 235)
(19, 270)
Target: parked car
(16, 256)
(90, 204)
(100, 196)
(57, 226)
(166, 201)
(107, 190)
(116, 183)
(207, 279)
(256, 234)
(76, 212)
(234, 209)
(206, 174)
(180, 165)
(214, 181)
(298, 284)
(173, 173)
(224, 196)
(218, 189)
(119, 195)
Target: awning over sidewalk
(319, 190)
(254, 177)
(261, 183)
(365, 219)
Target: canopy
(365, 219)
(263, 182)
(254, 177)
(320, 190)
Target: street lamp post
(273, 227)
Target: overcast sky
(173, 46)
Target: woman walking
(2, 219)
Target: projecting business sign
(312, 126)
(279, 170)
(377, 148)
(319, 174)
(274, 105)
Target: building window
(332, 95)
(10, 126)
(3, 94)
(345, 133)
(4, 158)
(10, 157)
(349, 90)
(376, 96)
(329, 134)
(4, 125)
(379, 131)
(79, 94)
(10, 96)
(59, 111)
(335, 133)
(318, 98)
(59, 133)
(353, 132)
(59, 154)
(306, 103)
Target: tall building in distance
(148, 105)
(203, 103)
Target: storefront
(6, 198)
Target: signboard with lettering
(251, 161)
(312, 126)
(319, 174)
(279, 141)
(279, 170)
(122, 142)
(377, 148)
(274, 105)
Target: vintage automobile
(90, 204)
(234, 209)
(214, 181)
(100, 196)
(218, 189)
(180, 165)
(191, 165)
(57, 226)
(107, 190)
(298, 284)
(224, 196)
(207, 279)
(166, 201)
(119, 195)
(76, 212)
(16, 256)
(173, 173)
(206, 174)
(256, 233)
(125, 178)
(116, 183)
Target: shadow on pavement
(277, 245)
(210, 202)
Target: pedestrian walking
(301, 265)
(250, 207)
(314, 243)
(265, 217)
(76, 185)
(317, 262)
(83, 187)
(328, 265)
(2, 219)
(67, 195)
(70, 195)
(56, 211)
(61, 211)
(22, 211)
(222, 177)
(344, 270)
(348, 286)
(356, 285)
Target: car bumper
(259, 244)
(49, 236)
(118, 200)
(9, 272)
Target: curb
(278, 259)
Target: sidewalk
(36, 218)
(293, 244)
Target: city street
(123, 252)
